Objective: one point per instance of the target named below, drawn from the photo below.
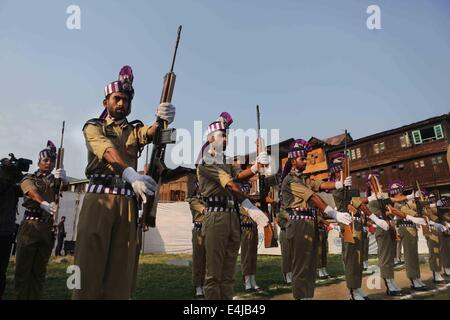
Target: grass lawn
(159, 280)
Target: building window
(378, 147)
(428, 134)
(394, 168)
(358, 153)
(422, 163)
(401, 167)
(437, 160)
(416, 164)
(404, 141)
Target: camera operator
(10, 176)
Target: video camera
(21, 164)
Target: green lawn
(159, 280)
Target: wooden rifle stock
(348, 229)
(58, 182)
(425, 229)
(163, 136)
(270, 239)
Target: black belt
(247, 225)
(197, 225)
(406, 223)
(219, 204)
(109, 184)
(302, 211)
(38, 215)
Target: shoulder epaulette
(94, 121)
(136, 123)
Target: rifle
(375, 184)
(163, 136)
(58, 182)
(345, 172)
(270, 240)
(419, 205)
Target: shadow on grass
(159, 280)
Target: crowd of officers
(226, 216)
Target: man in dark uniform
(36, 236)
(107, 236)
(10, 176)
(301, 202)
(60, 237)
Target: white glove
(438, 226)
(433, 205)
(374, 196)
(61, 174)
(262, 159)
(340, 217)
(49, 207)
(142, 185)
(338, 185)
(439, 203)
(257, 215)
(415, 220)
(410, 196)
(166, 111)
(379, 222)
(348, 182)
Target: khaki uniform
(322, 250)
(445, 239)
(197, 207)
(352, 253)
(432, 239)
(386, 242)
(286, 255)
(107, 238)
(409, 239)
(249, 245)
(35, 238)
(301, 232)
(221, 229)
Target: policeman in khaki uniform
(442, 207)
(197, 207)
(409, 238)
(433, 240)
(36, 236)
(249, 246)
(386, 239)
(221, 227)
(299, 200)
(352, 253)
(107, 228)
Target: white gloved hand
(439, 203)
(262, 159)
(142, 185)
(49, 207)
(374, 196)
(166, 111)
(438, 226)
(379, 222)
(348, 182)
(257, 215)
(340, 217)
(339, 185)
(61, 174)
(415, 220)
(410, 196)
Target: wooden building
(415, 152)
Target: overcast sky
(312, 65)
